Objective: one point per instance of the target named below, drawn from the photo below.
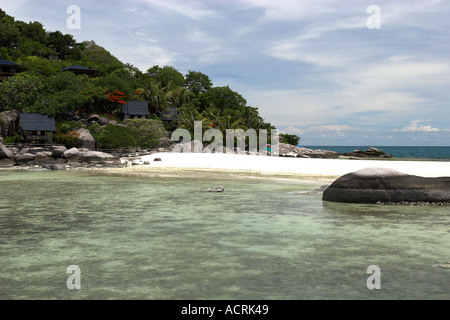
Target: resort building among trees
(8, 69)
(81, 70)
(135, 109)
(37, 128)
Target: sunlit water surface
(162, 238)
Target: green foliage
(112, 137)
(166, 77)
(69, 139)
(40, 66)
(21, 92)
(67, 134)
(66, 126)
(197, 82)
(14, 139)
(221, 98)
(289, 139)
(95, 129)
(147, 131)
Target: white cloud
(194, 10)
(414, 127)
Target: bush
(14, 139)
(147, 131)
(64, 127)
(69, 140)
(95, 129)
(290, 139)
(112, 137)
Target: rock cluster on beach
(388, 186)
(55, 158)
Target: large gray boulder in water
(374, 185)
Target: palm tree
(187, 116)
(156, 97)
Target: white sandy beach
(273, 166)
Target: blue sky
(313, 68)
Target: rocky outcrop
(95, 157)
(55, 158)
(381, 185)
(9, 122)
(287, 150)
(369, 153)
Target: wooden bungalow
(135, 109)
(8, 69)
(80, 70)
(37, 128)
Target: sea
(402, 152)
(84, 235)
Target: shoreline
(268, 165)
(234, 166)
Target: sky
(348, 72)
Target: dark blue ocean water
(397, 152)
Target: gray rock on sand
(215, 189)
(23, 158)
(73, 154)
(6, 163)
(58, 151)
(382, 185)
(5, 153)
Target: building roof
(76, 67)
(171, 114)
(35, 122)
(136, 108)
(7, 63)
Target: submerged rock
(381, 185)
(445, 265)
(54, 166)
(215, 189)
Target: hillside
(42, 86)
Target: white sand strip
(282, 165)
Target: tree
(221, 98)
(21, 92)
(166, 77)
(147, 131)
(156, 97)
(33, 30)
(64, 45)
(197, 82)
(290, 139)
(9, 34)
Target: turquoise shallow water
(161, 238)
